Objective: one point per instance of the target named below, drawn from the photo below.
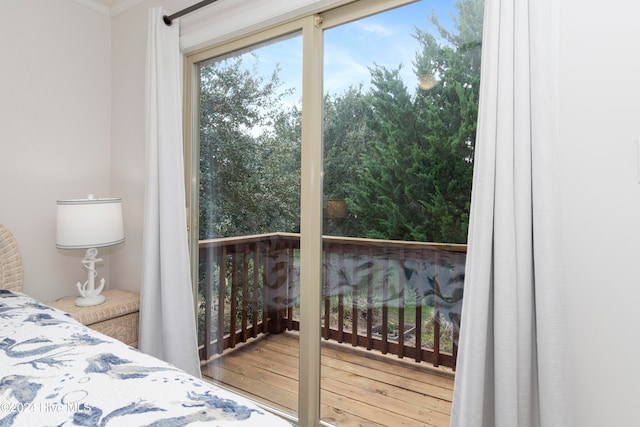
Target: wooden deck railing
(372, 290)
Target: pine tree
(449, 110)
(384, 199)
(416, 182)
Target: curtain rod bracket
(167, 20)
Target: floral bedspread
(56, 372)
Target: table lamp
(89, 224)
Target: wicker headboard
(10, 261)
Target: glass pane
(249, 220)
(401, 98)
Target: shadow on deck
(359, 387)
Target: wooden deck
(359, 387)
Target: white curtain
(512, 366)
(167, 321)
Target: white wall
(55, 95)
(599, 122)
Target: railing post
(401, 286)
(456, 309)
(385, 304)
(266, 292)
(208, 300)
(370, 300)
(421, 278)
(341, 286)
(222, 280)
(255, 290)
(355, 296)
(245, 293)
(437, 295)
(233, 310)
(290, 285)
(326, 292)
(276, 283)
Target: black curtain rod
(169, 19)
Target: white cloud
(368, 27)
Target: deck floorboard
(359, 387)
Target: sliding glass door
(331, 161)
(400, 105)
(248, 193)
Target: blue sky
(385, 39)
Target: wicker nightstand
(116, 317)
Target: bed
(55, 371)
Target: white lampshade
(89, 223)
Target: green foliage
(401, 158)
(385, 198)
(345, 140)
(249, 153)
(415, 181)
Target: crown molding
(95, 6)
(123, 5)
(118, 7)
